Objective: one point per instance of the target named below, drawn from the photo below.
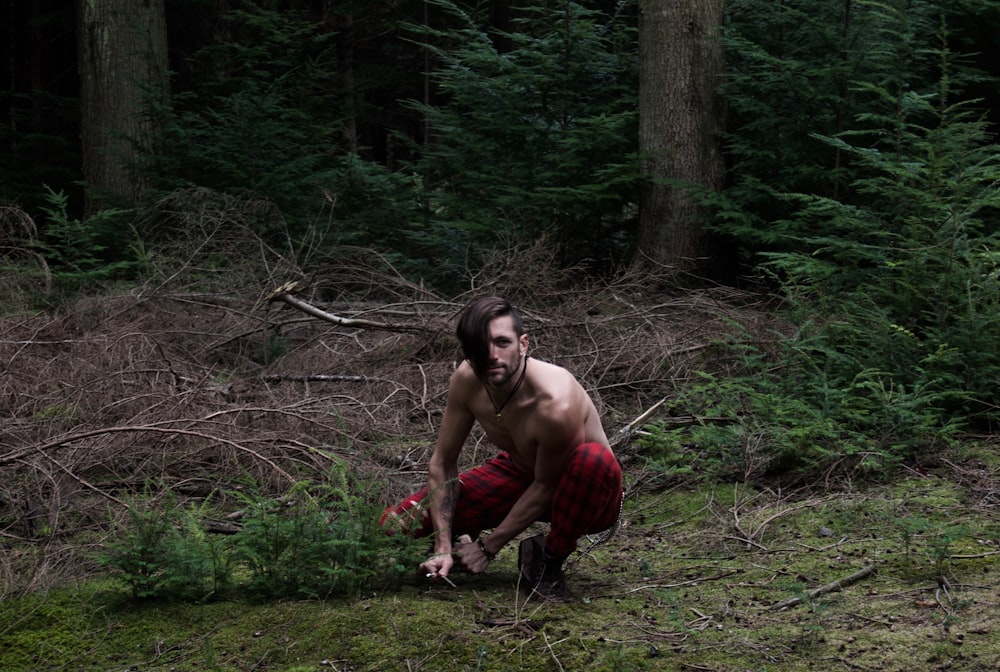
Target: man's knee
(408, 517)
(594, 459)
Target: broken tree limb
(625, 433)
(828, 588)
(315, 378)
(284, 294)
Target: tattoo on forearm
(448, 499)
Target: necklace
(499, 409)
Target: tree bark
(681, 117)
(124, 74)
(343, 25)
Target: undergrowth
(778, 413)
(321, 539)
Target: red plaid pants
(587, 499)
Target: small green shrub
(85, 253)
(741, 428)
(790, 411)
(317, 541)
(163, 552)
(321, 539)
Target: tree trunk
(344, 26)
(124, 74)
(681, 65)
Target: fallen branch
(976, 556)
(284, 294)
(689, 420)
(315, 378)
(623, 434)
(828, 588)
(213, 527)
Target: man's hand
(472, 557)
(438, 565)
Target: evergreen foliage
(907, 274)
(320, 540)
(85, 254)
(263, 121)
(791, 73)
(164, 553)
(537, 137)
(260, 119)
(889, 270)
(801, 418)
(799, 72)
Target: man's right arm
(442, 471)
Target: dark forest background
(764, 235)
(859, 188)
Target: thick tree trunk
(344, 26)
(681, 65)
(123, 74)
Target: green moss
(678, 588)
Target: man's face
(505, 351)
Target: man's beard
(504, 374)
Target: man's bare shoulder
(560, 396)
(555, 382)
(463, 377)
(550, 370)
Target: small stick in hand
(435, 575)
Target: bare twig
(548, 645)
(315, 378)
(623, 434)
(867, 570)
(976, 556)
(284, 294)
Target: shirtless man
(555, 463)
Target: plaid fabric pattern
(587, 499)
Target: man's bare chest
(512, 432)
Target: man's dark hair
(473, 328)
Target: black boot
(552, 584)
(530, 560)
(541, 572)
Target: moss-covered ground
(689, 583)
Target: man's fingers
(438, 566)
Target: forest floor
(693, 581)
(194, 391)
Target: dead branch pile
(168, 388)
